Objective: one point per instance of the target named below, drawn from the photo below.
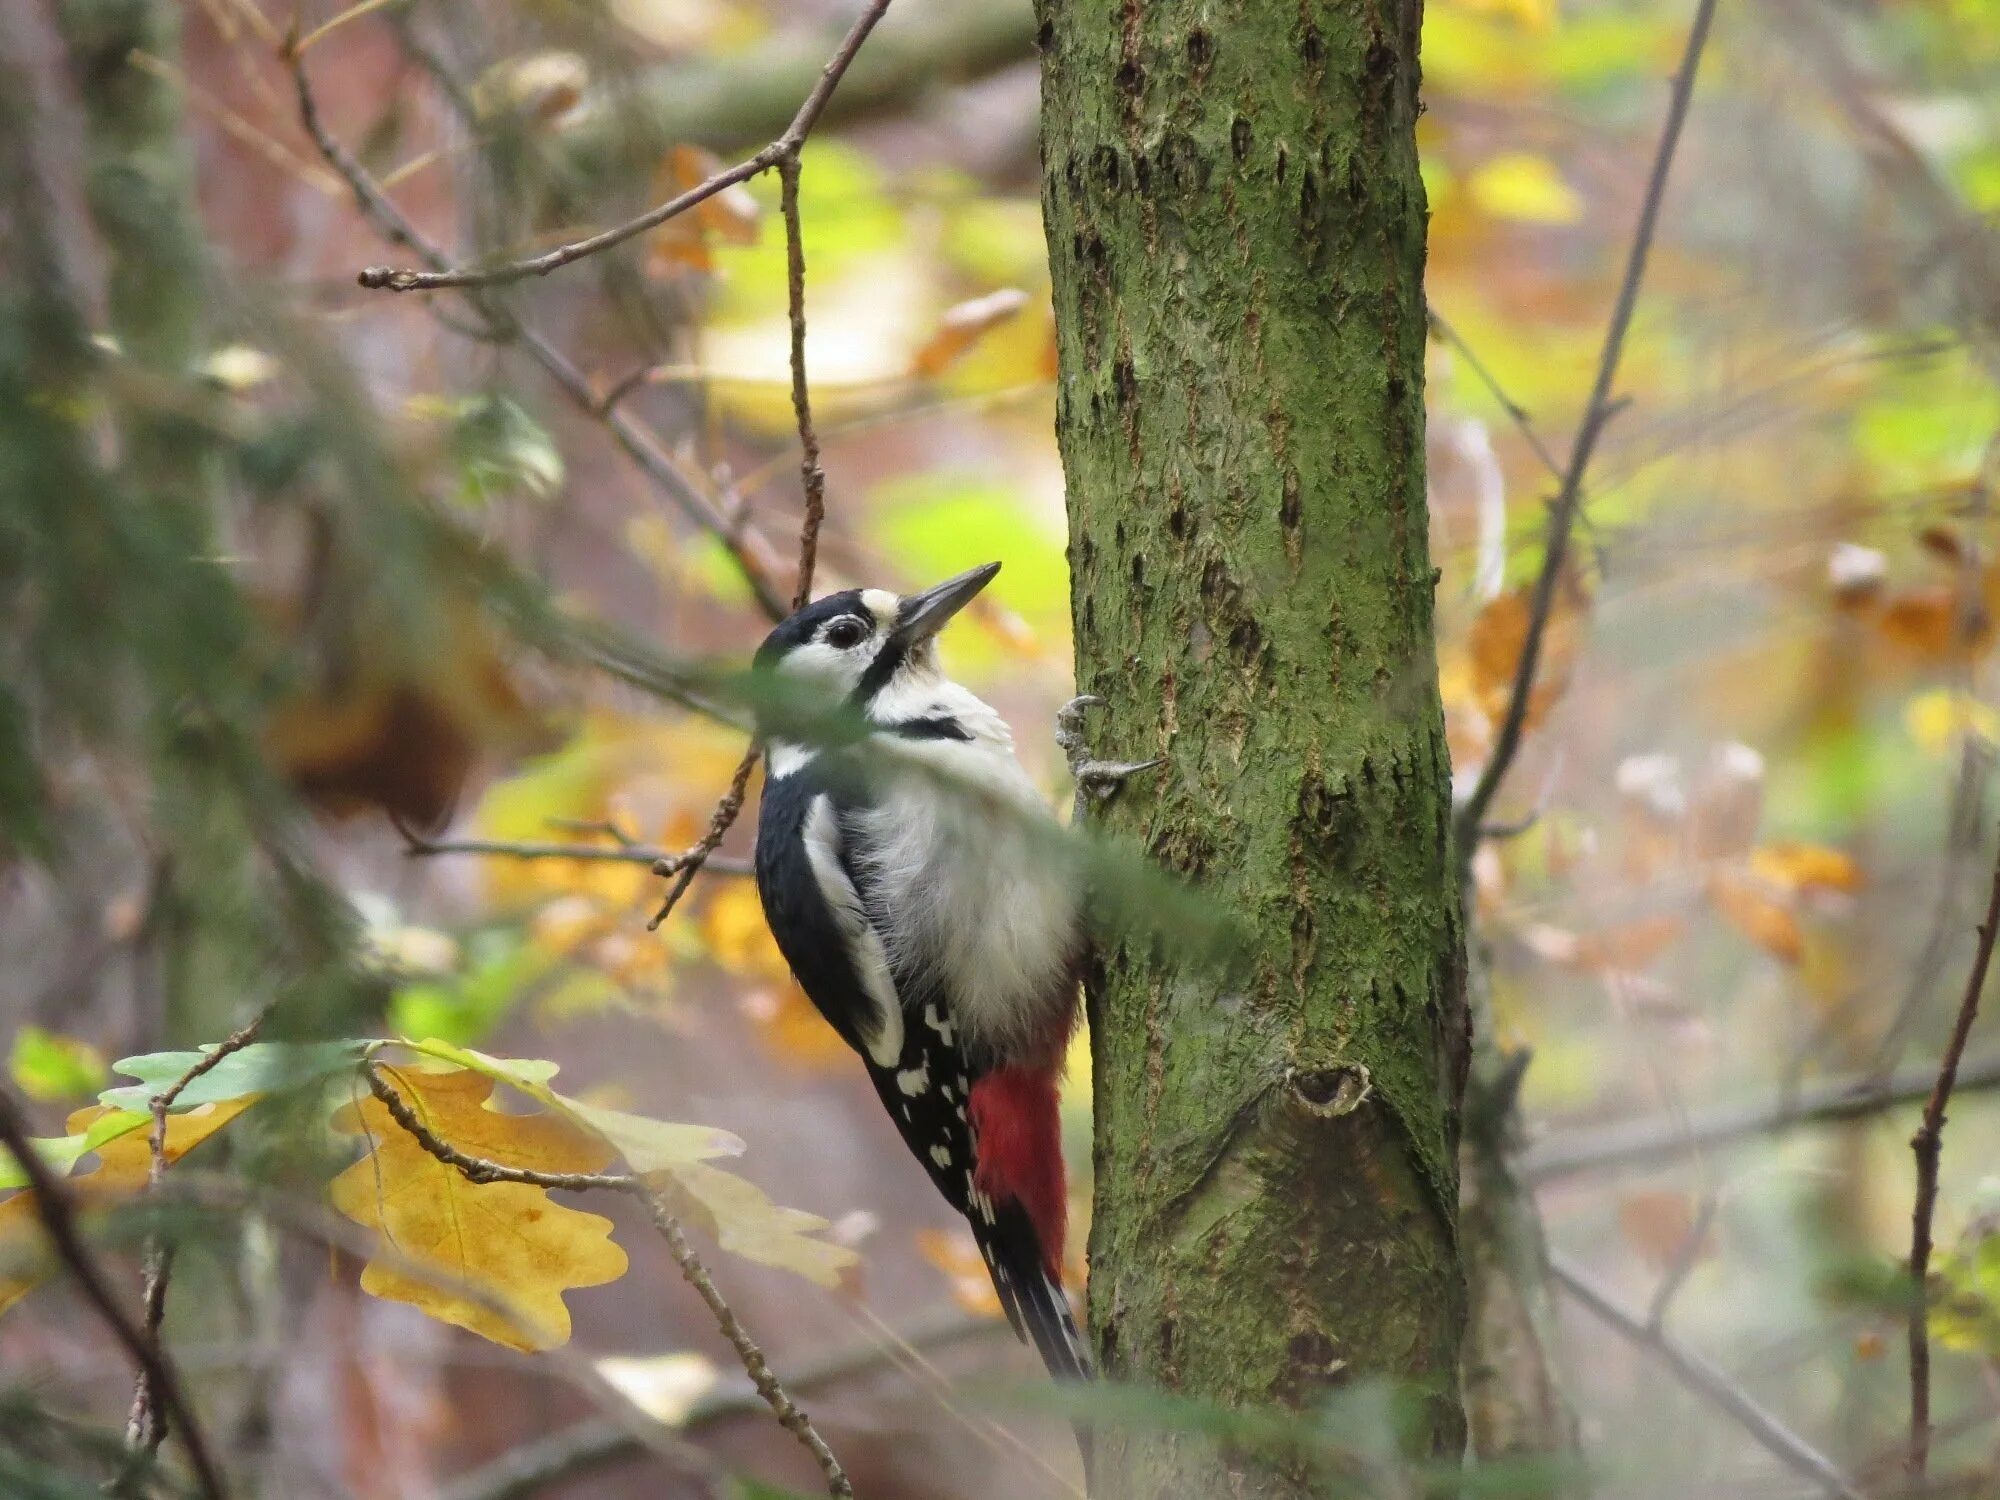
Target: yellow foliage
(1937, 720)
(1801, 867)
(746, 1222)
(953, 1253)
(508, 1240)
(123, 1165)
(1525, 188)
(733, 927)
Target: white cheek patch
(818, 662)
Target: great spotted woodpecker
(915, 883)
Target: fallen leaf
(507, 1239)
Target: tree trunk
(1236, 230)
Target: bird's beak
(921, 616)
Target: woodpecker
(915, 883)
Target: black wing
(817, 904)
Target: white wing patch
(864, 944)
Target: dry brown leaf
(1753, 909)
(1927, 624)
(964, 325)
(1658, 1222)
(1498, 633)
(730, 217)
(380, 734)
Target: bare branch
(1516, 413)
(309, 1220)
(784, 148)
(419, 847)
(563, 1455)
(1705, 1380)
(688, 864)
(146, 1427)
(811, 477)
(58, 1215)
(1597, 412)
(1928, 1146)
(1652, 1141)
(754, 557)
(479, 1170)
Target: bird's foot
(1096, 779)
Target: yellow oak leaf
(507, 1240)
(123, 1143)
(674, 1161)
(746, 1222)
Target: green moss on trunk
(1236, 227)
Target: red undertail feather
(1014, 1113)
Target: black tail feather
(1034, 1302)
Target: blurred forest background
(348, 641)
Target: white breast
(976, 883)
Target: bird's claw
(1096, 779)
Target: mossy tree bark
(1236, 228)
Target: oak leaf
(122, 1140)
(507, 1240)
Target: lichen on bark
(1236, 232)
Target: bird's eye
(845, 632)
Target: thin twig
(1516, 413)
(754, 557)
(672, 860)
(784, 148)
(146, 1427)
(58, 1215)
(789, 1416)
(688, 863)
(1705, 1380)
(310, 1220)
(1928, 1146)
(1597, 412)
(479, 1170)
(585, 1445)
(1652, 1141)
(812, 478)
